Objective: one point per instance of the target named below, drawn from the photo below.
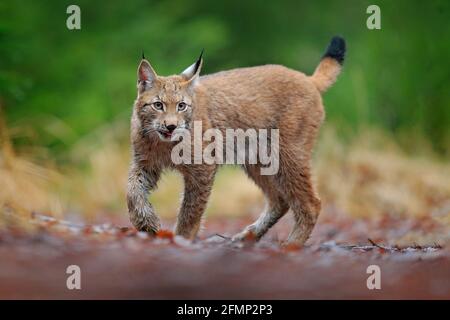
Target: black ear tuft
(336, 49)
(143, 55)
(198, 62)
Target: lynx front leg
(198, 181)
(140, 182)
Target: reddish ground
(121, 263)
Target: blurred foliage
(58, 85)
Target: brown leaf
(290, 247)
(164, 234)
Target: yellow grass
(25, 186)
(371, 176)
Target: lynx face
(166, 107)
(165, 104)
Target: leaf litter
(119, 262)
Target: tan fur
(326, 74)
(269, 96)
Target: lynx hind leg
(275, 208)
(294, 181)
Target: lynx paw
(248, 235)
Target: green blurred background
(58, 85)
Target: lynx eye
(158, 106)
(182, 107)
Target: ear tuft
(193, 70)
(199, 62)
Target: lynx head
(165, 104)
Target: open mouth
(165, 134)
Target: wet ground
(118, 262)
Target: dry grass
(366, 177)
(25, 186)
(371, 176)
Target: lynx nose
(171, 127)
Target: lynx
(269, 96)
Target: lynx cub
(270, 96)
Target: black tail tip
(336, 49)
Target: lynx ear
(146, 74)
(193, 71)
